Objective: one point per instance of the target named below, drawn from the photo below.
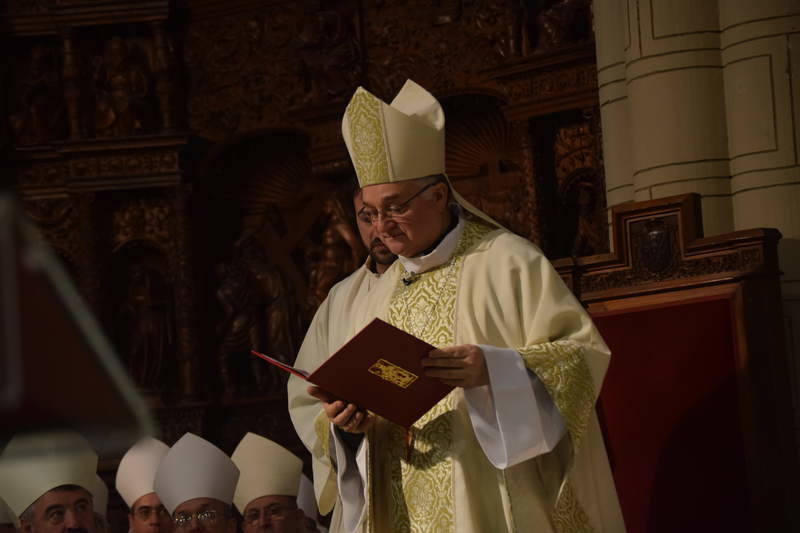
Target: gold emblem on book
(393, 373)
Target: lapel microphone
(410, 278)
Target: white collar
(440, 254)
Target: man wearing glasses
(46, 481)
(196, 482)
(516, 445)
(266, 494)
(134, 482)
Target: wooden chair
(696, 406)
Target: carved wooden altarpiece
(98, 141)
(186, 161)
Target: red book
(379, 369)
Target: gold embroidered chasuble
(497, 289)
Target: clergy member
(335, 323)
(7, 519)
(266, 494)
(196, 482)
(516, 445)
(135, 477)
(46, 480)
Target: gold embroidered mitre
(400, 141)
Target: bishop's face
(206, 515)
(62, 511)
(411, 214)
(149, 516)
(273, 514)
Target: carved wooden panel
(37, 110)
(571, 185)
(186, 160)
(658, 248)
(245, 73)
(277, 239)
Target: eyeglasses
(206, 517)
(144, 512)
(252, 516)
(370, 215)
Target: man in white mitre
(135, 479)
(7, 519)
(100, 503)
(516, 446)
(196, 481)
(46, 479)
(266, 494)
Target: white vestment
(490, 458)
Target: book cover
(379, 369)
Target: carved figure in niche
(148, 322)
(582, 208)
(239, 329)
(259, 314)
(330, 55)
(122, 89)
(279, 308)
(561, 22)
(40, 114)
(340, 253)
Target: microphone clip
(410, 278)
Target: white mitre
(395, 142)
(6, 516)
(195, 468)
(267, 469)
(307, 501)
(32, 464)
(99, 492)
(137, 469)
(305, 497)
(400, 141)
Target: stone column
(761, 67)
(612, 38)
(660, 70)
(678, 134)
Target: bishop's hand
(463, 365)
(346, 416)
